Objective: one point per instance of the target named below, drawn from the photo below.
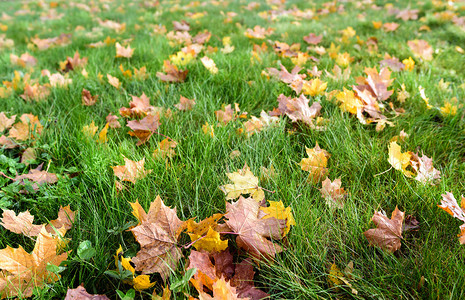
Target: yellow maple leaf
(244, 183)
(314, 87)
(142, 282)
(90, 130)
(102, 136)
(315, 163)
(278, 211)
(211, 242)
(125, 261)
(114, 81)
(409, 64)
(348, 101)
(21, 272)
(208, 129)
(398, 160)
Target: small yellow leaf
(211, 242)
(142, 282)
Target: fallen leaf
(209, 64)
(278, 211)
(23, 222)
(124, 52)
(333, 194)
(144, 128)
(157, 236)
(426, 173)
(421, 49)
(138, 107)
(173, 74)
(165, 149)
(315, 163)
(5, 122)
(21, 272)
(114, 81)
(253, 233)
(80, 293)
(131, 171)
(388, 233)
(450, 205)
(297, 109)
(398, 160)
(244, 183)
(185, 104)
(87, 98)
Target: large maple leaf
(253, 233)
(158, 236)
(20, 271)
(297, 109)
(22, 223)
(388, 233)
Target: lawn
(229, 107)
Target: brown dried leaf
(87, 98)
(388, 233)
(144, 128)
(253, 232)
(80, 293)
(131, 171)
(158, 235)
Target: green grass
(191, 179)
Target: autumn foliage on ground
(232, 149)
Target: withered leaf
(87, 98)
(158, 235)
(131, 171)
(23, 222)
(144, 128)
(80, 293)
(253, 233)
(388, 233)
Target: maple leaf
(37, 176)
(138, 107)
(388, 233)
(244, 183)
(35, 92)
(27, 128)
(124, 52)
(22, 271)
(22, 223)
(313, 39)
(278, 211)
(28, 156)
(421, 49)
(74, 62)
(5, 122)
(112, 121)
(398, 160)
(258, 32)
(90, 130)
(349, 102)
(165, 149)
(80, 293)
(314, 87)
(315, 163)
(333, 194)
(226, 115)
(450, 205)
(426, 173)
(205, 234)
(87, 98)
(185, 104)
(144, 128)
(297, 109)
(114, 81)
(25, 60)
(337, 278)
(131, 171)
(221, 290)
(173, 74)
(157, 235)
(242, 218)
(181, 26)
(209, 64)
